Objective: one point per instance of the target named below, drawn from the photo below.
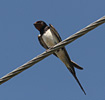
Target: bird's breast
(49, 38)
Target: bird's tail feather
(76, 65)
(79, 84)
(77, 81)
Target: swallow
(49, 37)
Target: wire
(52, 49)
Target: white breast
(49, 38)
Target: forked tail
(74, 74)
(79, 83)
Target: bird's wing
(55, 32)
(59, 38)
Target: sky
(49, 79)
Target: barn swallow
(49, 37)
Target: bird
(49, 37)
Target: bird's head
(39, 25)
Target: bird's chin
(38, 28)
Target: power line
(52, 49)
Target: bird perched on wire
(49, 37)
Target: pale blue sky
(49, 79)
